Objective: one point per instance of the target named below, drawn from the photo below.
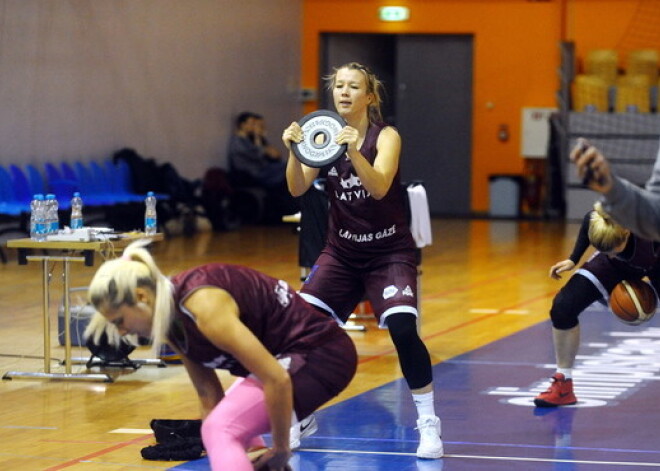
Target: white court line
(484, 311)
(497, 458)
(555, 460)
(141, 431)
(28, 427)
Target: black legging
(576, 295)
(414, 357)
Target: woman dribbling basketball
(621, 256)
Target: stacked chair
(603, 63)
(590, 93)
(605, 87)
(633, 94)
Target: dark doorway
(428, 79)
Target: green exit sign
(394, 13)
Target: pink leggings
(235, 425)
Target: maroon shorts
(322, 373)
(606, 272)
(389, 282)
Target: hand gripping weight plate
(318, 147)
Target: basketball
(633, 301)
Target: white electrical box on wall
(535, 132)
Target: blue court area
(489, 423)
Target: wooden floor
(481, 280)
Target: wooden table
(67, 252)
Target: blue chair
(62, 187)
(52, 172)
(91, 194)
(124, 176)
(15, 216)
(9, 203)
(68, 173)
(36, 179)
(103, 183)
(22, 189)
(119, 183)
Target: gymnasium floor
(489, 421)
(485, 298)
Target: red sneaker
(560, 393)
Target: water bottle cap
(50, 196)
(76, 193)
(150, 193)
(38, 196)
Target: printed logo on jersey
(351, 182)
(390, 292)
(351, 189)
(368, 236)
(282, 293)
(333, 172)
(407, 291)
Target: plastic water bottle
(52, 216)
(76, 212)
(150, 217)
(37, 217)
(40, 227)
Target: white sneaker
(302, 429)
(430, 443)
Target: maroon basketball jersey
(360, 225)
(273, 312)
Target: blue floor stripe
(484, 400)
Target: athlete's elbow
(295, 191)
(379, 193)
(280, 381)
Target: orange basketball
(633, 301)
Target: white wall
(80, 79)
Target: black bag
(177, 440)
(177, 196)
(107, 355)
(217, 200)
(144, 172)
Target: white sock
(567, 372)
(424, 404)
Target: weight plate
(318, 147)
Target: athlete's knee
(563, 313)
(224, 448)
(215, 433)
(402, 328)
(414, 357)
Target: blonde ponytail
(114, 285)
(604, 233)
